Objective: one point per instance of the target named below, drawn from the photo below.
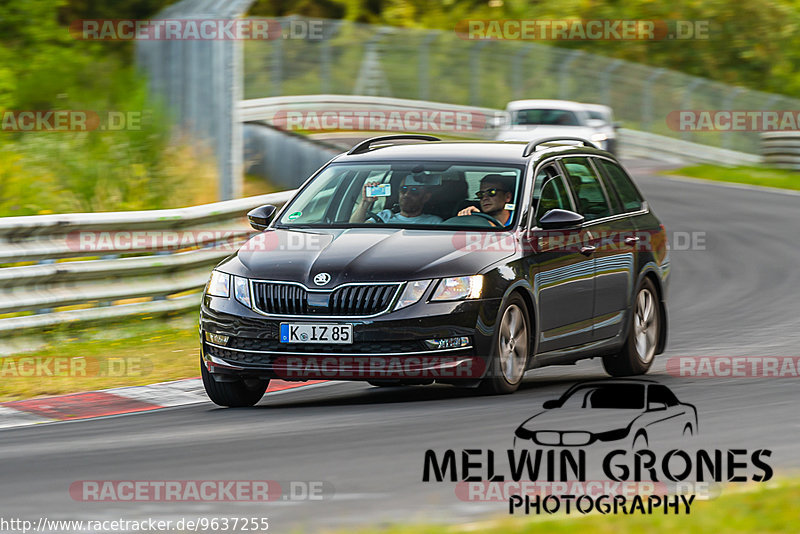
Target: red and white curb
(117, 401)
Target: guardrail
(480, 123)
(79, 267)
(631, 142)
(781, 149)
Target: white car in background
(529, 120)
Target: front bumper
(387, 347)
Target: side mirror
(560, 220)
(552, 403)
(656, 406)
(261, 216)
(617, 125)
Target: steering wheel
(374, 216)
(488, 218)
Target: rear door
(562, 276)
(613, 256)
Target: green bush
(42, 67)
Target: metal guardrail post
(563, 89)
(371, 79)
(606, 80)
(686, 102)
(517, 73)
(423, 65)
(475, 72)
(276, 68)
(647, 99)
(727, 104)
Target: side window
(554, 195)
(588, 192)
(631, 200)
(660, 393)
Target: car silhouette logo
(322, 278)
(639, 412)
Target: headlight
(412, 293)
(219, 285)
(241, 290)
(598, 137)
(459, 288)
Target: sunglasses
(411, 189)
(489, 192)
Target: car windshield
(418, 194)
(597, 115)
(615, 396)
(555, 117)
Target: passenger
(496, 192)
(412, 200)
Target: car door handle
(588, 250)
(632, 240)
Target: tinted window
(616, 396)
(662, 394)
(631, 201)
(554, 195)
(436, 191)
(586, 188)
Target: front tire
(233, 394)
(510, 349)
(636, 356)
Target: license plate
(316, 333)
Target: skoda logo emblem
(322, 278)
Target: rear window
(631, 200)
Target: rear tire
(638, 353)
(233, 394)
(510, 349)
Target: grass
(765, 508)
(145, 352)
(763, 176)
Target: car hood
(534, 132)
(364, 255)
(581, 419)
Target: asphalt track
(737, 297)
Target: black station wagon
(409, 260)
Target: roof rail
(531, 147)
(364, 146)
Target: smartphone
(382, 190)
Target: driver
(495, 193)
(412, 199)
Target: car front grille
(280, 299)
(346, 301)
